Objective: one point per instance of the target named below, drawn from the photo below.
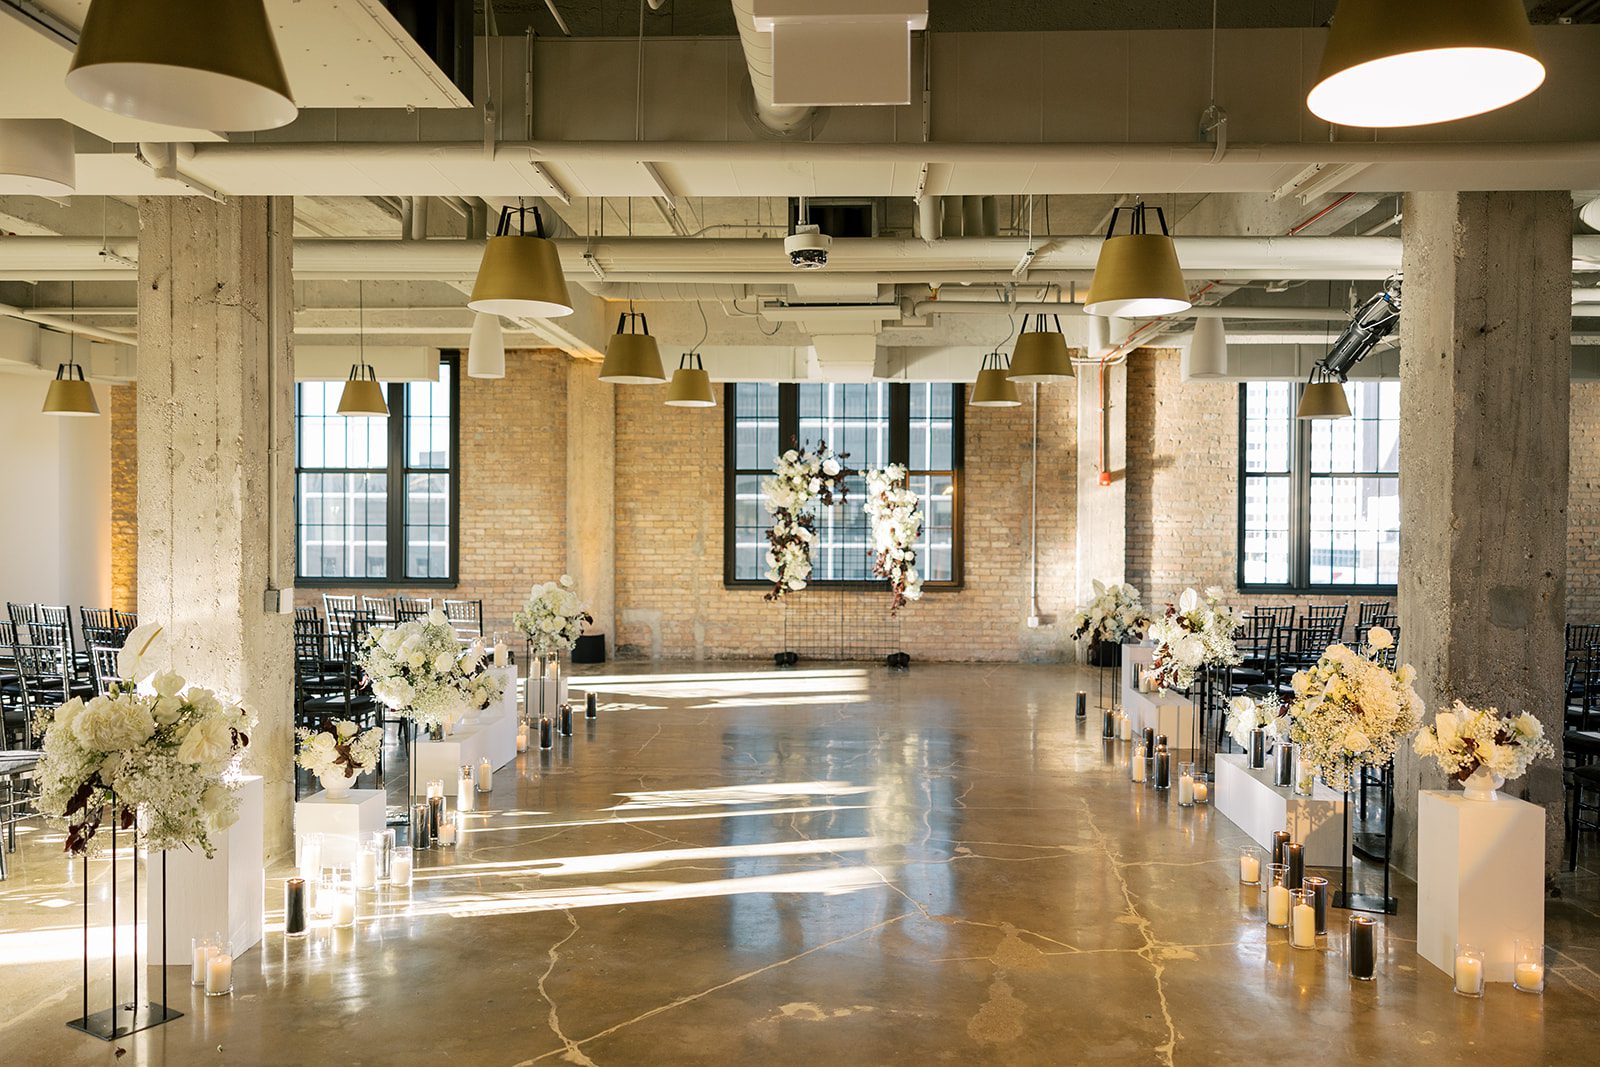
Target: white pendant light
(486, 352)
(36, 158)
(1206, 354)
(203, 64)
(1389, 64)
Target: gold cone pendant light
(1040, 356)
(521, 273)
(632, 358)
(204, 64)
(994, 387)
(1137, 274)
(1323, 397)
(1424, 61)
(69, 394)
(362, 395)
(691, 385)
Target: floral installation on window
(554, 617)
(896, 514)
(1268, 714)
(801, 479)
(162, 756)
(419, 670)
(1470, 743)
(1352, 711)
(1115, 614)
(1194, 634)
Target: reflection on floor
(839, 866)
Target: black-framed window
(1319, 501)
(917, 424)
(375, 499)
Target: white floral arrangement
(1194, 634)
(1463, 739)
(419, 670)
(1114, 615)
(896, 514)
(164, 758)
(554, 617)
(341, 748)
(1350, 710)
(800, 480)
(1268, 714)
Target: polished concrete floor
(830, 865)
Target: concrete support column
(591, 492)
(215, 441)
(1486, 361)
(1102, 503)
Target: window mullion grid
(394, 550)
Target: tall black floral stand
(1373, 846)
(1107, 656)
(123, 1017)
(1208, 699)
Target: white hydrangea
(1465, 738)
(1350, 711)
(1251, 713)
(896, 514)
(800, 480)
(340, 747)
(1114, 615)
(1192, 635)
(554, 617)
(419, 669)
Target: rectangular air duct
(828, 53)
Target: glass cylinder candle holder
(1249, 865)
(1186, 785)
(547, 733)
(1163, 768)
(591, 705)
(1258, 748)
(327, 888)
(1294, 857)
(1528, 974)
(344, 904)
(1108, 724)
(1363, 948)
(1280, 838)
(296, 920)
(203, 949)
(1302, 919)
(1202, 791)
(400, 867)
(1283, 763)
(366, 867)
(219, 975)
(466, 789)
(1124, 727)
(1136, 769)
(1082, 709)
(1469, 970)
(383, 844)
(1278, 898)
(1318, 888)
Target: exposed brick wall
(513, 444)
(1583, 506)
(671, 600)
(124, 499)
(1183, 496)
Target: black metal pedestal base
(1370, 902)
(898, 661)
(114, 1023)
(785, 659)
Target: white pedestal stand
(207, 896)
(1249, 800)
(343, 822)
(1480, 878)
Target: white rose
(344, 728)
(1445, 724)
(209, 741)
(168, 683)
(830, 467)
(1356, 742)
(1379, 639)
(416, 660)
(444, 662)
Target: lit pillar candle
(204, 949)
(1318, 888)
(485, 776)
(1202, 793)
(447, 832)
(1249, 867)
(1127, 728)
(344, 910)
(1108, 724)
(1163, 768)
(464, 789)
(294, 907)
(1083, 704)
(1279, 839)
(1136, 764)
(522, 737)
(1469, 973)
(501, 653)
(1186, 786)
(1530, 977)
(400, 868)
(1294, 854)
(547, 732)
(1363, 950)
(1278, 906)
(1303, 924)
(367, 868)
(219, 975)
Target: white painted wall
(55, 490)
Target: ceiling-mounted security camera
(807, 247)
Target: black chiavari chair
(381, 608)
(407, 608)
(1329, 615)
(336, 606)
(103, 663)
(46, 680)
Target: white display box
(1480, 878)
(344, 822)
(1249, 800)
(209, 896)
(494, 739)
(555, 691)
(1164, 713)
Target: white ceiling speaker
(195, 63)
(486, 352)
(36, 158)
(1206, 354)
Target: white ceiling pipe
(914, 153)
(55, 322)
(1048, 307)
(758, 58)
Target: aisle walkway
(831, 865)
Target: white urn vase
(1483, 784)
(336, 783)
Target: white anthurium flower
(142, 649)
(1188, 601)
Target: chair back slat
(103, 662)
(407, 608)
(466, 616)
